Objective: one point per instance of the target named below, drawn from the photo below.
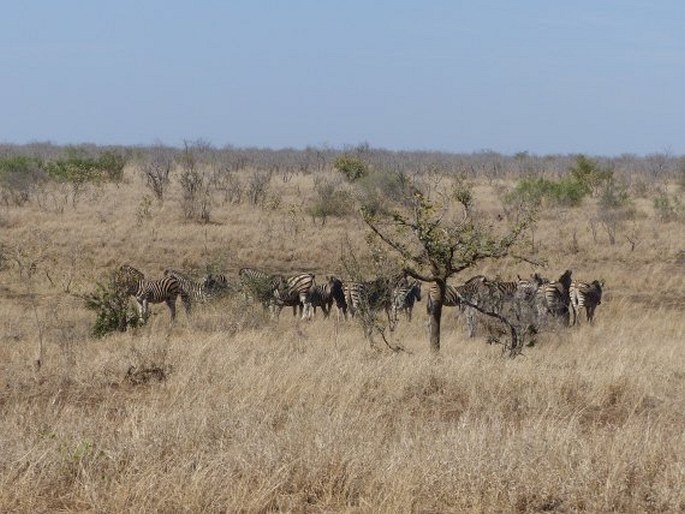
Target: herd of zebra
(538, 297)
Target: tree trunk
(436, 316)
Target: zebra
(190, 289)
(259, 285)
(323, 295)
(166, 290)
(519, 294)
(403, 298)
(471, 291)
(294, 291)
(215, 283)
(369, 297)
(552, 298)
(585, 295)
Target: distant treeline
(482, 164)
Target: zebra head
(598, 285)
(565, 279)
(127, 278)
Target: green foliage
(534, 191)
(529, 191)
(18, 164)
(614, 196)
(584, 178)
(589, 176)
(353, 168)
(330, 201)
(19, 176)
(114, 314)
(79, 168)
(381, 188)
(680, 179)
(669, 208)
(259, 289)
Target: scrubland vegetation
(228, 410)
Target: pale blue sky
(600, 77)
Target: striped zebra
(471, 291)
(368, 298)
(259, 286)
(294, 291)
(585, 295)
(166, 290)
(552, 299)
(216, 282)
(404, 296)
(191, 290)
(518, 295)
(323, 295)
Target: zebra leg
(392, 319)
(275, 310)
(470, 321)
(307, 310)
(186, 303)
(171, 302)
(590, 313)
(574, 310)
(142, 310)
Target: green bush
(568, 192)
(353, 168)
(530, 191)
(112, 306)
(584, 178)
(588, 175)
(330, 201)
(78, 168)
(19, 176)
(669, 208)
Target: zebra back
(553, 298)
(323, 295)
(160, 290)
(369, 296)
(293, 290)
(215, 283)
(405, 295)
(259, 284)
(189, 288)
(585, 295)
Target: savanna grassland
(226, 410)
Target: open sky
(597, 77)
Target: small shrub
(353, 168)
(588, 175)
(669, 208)
(19, 178)
(330, 201)
(258, 187)
(536, 191)
(529, 191)
(157, 171)
(112, 306)
(379, 189)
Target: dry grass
(227, 411)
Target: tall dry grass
(227, 411)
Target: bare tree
(156, 169)
(436, 242)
